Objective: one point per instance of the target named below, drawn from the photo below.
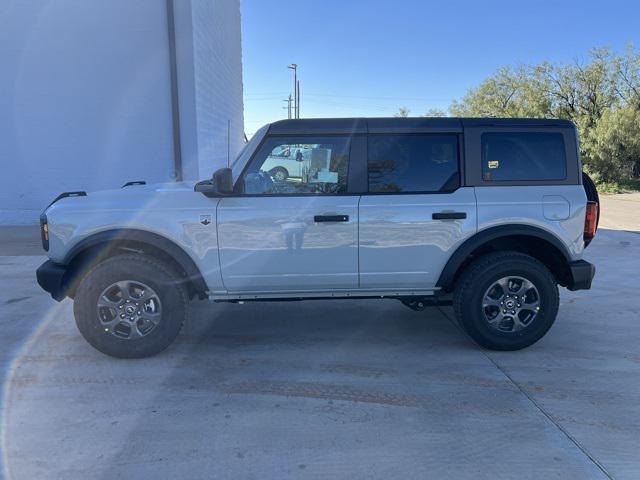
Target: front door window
(298, 165)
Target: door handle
(331, 218)
(449, 215)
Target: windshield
(245, 154)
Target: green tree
(612, 147)
(601, 95)
(435, 112)
(507, 93)
(627, 77)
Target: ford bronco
(487, 215)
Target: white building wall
(211, 109)
(218, 80)
(85, 95)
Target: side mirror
(220, 184)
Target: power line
(269, 99)
(348, 105)
(385, 97)
(247, 94)
(425, 99)
(275, 96)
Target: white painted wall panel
(85, 96)
(211, 110)
(218, 81)
(84, 99)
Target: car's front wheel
(506, 300)
(130, 306)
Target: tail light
(590, 221)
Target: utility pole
(294, 67)
(288, 107)
(298, 97)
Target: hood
(152, 187)
(129, 196)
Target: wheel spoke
(513, 282)
(517, 324)
(145, 293)
(125, 289)
(111, 323)
(525, 286)
(497, 319)
(135, 333)
(106, 302)
(113, 296)
(153, 318)
(492, 302)
(150, 315)
(503, 283)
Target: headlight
(44, 232)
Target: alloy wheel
(129, 309)
(511, 304)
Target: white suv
(490, 215)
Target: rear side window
(413, 163)
(523, 156)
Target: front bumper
(581, 274)
(51, 278)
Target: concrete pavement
(340, 389)
(20, 240)
(620, 211)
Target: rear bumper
(581, 274)
(51, 278)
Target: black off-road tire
(480, 275)
(150, 271)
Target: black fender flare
(482, 237)
(167, 246)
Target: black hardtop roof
(406, 124)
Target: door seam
(218, 245)
(358, 238)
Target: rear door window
(514, 156)
(413, 163)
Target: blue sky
(367, 58)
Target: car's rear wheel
(279, 174)
(506, 300)
(130, 306)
